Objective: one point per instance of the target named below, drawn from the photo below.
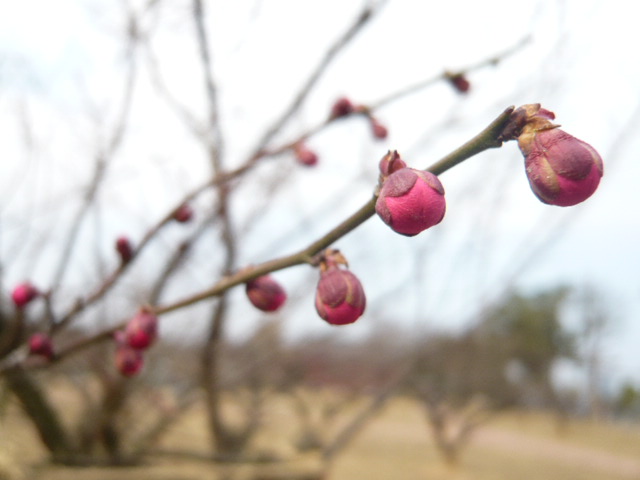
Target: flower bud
(459, 82)
(40, 344)
(561, 169)
(390, 163)
(341, 108)
(128, 360)
(183, 214)
(379, 131)
(141, 331)
(23, 294)
(265, 293)
(305, 156)
(411, 201)
(340, 298)
(124, 249)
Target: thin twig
(361, 20)
(102, 161)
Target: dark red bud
(459, 82)
(128, 360)
(40, 344)
(341, 108)
(183, 214)
(124, 249)
(265, 293)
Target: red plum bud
(265, 293)
(340, 298)
(305, 156)
(128, 360)
(183, 214)
(459, 82)
(379, 131)
(561, 169)
(23, 294)
(40, 344)
(341, 108)
(141, 331)
(411, 201)
(124, 249)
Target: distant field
(395, 445)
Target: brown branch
(488, 138)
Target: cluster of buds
(138, 335)
(124, 249)
(23, 294)
(410, 200)
(340, 298)
(41, 344)
(183, 214)
(343, 107)
(265, 293)
(304, 155)
(561, 169)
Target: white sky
(61, 73)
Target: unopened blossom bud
(411, 201)
(23, 294)
(128, 360)
(305, 156)
(124, 249)
(459, 82)
(341, 108)
(265, 293)
(40, 344)
(340, 298)
(561, 169)
(379, 131)
(183, 214)
(390, 163)
(141, 331)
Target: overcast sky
(61, 73)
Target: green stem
(490, 137)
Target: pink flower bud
(341, 108)
(459, 82)
(305, 156)
(265, 293)
(141, 331)
(340, 298)
(379, 131)
(124, 249)
(183, 214)
(40, 344)
(128, 360)
(411, 201)
(561, 169)
(23, 294)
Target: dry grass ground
(395, 445)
